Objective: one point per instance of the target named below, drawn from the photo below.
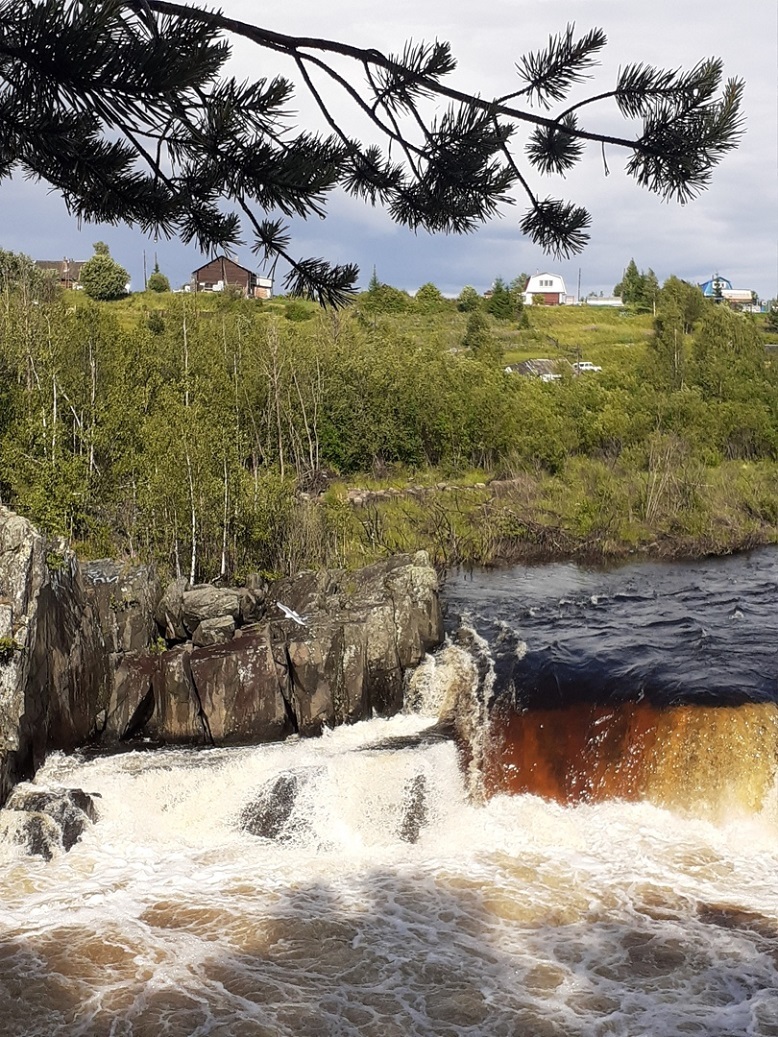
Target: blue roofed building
(720, 289)
(715, 288)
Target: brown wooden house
(66, 271)
(221, 273)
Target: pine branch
(555, 150)
(560, 228)
(123, 106)
(551, 73)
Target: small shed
(547, 289)
(221, 273)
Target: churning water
(627, 886)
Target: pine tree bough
(126, 109)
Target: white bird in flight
(291, 614)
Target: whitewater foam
(516, 915)
(478, 916)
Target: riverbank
(225, 438)
(591, 511)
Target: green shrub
(102, 278)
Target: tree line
(188, 434)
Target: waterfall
(380, 900)
(707, 761)
(703, 760)
(476, 866)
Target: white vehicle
(585, 365)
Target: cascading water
(651, 682)
(377, 881)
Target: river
(596, 856)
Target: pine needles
(127, 110)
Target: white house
(550, 288)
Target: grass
(577, 332)
(593, 511)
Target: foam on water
(516, 916)
(406, 894)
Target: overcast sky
(732, 228)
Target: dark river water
(702, 632)
(579, 868)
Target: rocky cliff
(23, 575)
(97, 652)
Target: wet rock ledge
(98, 653)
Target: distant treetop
(157, 281)
(102, 277)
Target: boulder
(240, 686)
(169, 611)
(207, 602)
(179, 715)
(213, 631)
(414, 809)
(308, 594)
(37, 834)
(270, 814)
(327, 674)
(252, 603)
(154, 699)
(53, 818)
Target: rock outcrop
(23, 705)
(330, 648)
(271, 813)
(43, 821)
(62, 628)
(97, 652)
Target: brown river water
(595, 868)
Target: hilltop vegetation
(218, 435)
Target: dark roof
(70, 268)
(224, 259)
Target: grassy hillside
(221, 435)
